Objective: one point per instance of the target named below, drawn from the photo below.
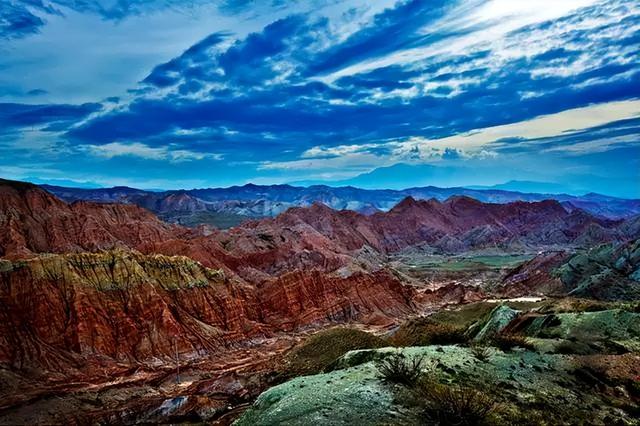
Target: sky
(182, 94)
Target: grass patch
(509, 341)
(318, 352)
(425, 331)
(465, 315)
(467, 263)
(452, 404)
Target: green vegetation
(425, 331)
(399, 369)
(467, 263)
(321, 350)
(219, 220)
(465, 315)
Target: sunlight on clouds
(474, 144)
(544, 126)
(491, 22)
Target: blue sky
(182, 94)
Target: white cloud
(137, 149)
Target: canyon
(108, 298)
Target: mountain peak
(405, 204)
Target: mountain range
(225, 207)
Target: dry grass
(423, 332)
(509, 341)
(452, 404)
(480, 351)
(399, 369)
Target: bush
(452, 404)
(508, 341)
(397, 369)
(424, 332)
(480, 351)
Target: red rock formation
(57, 311)
(300, 298)
(306, 266)
(34, 221)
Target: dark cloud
(16, 20)
(188, 64)
(37, 92)
(21, 115)
(451, 154)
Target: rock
(499, 319)
(606, 272)
(355, 394)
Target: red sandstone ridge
(534, 277)
(33, 221)
(71, 311)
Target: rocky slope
(544, 377)
(605, 272)
(33, 221)
(60, 310)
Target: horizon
(495, 188)
(173, 95)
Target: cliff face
(57, 311)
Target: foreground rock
(355, 394)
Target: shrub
(480, 351)
(508, 341)
(423, 332)
(398, 369)
(452, 404)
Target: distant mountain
(402, 175)
(398, 176)
(39, 222)
(225, 207)
(532, 186)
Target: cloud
(327, 90)
(451, 154)
(17, 20)
(395, 28)
(37, 92)
(136, 149)
(23, 115)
